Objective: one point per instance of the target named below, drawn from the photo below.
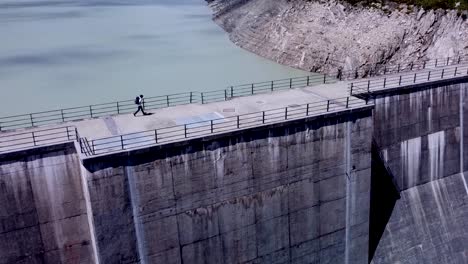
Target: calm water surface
(56, 54)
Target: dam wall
(383, 182)
(297, 192)
(418, 132)
(43, 215)
(421, 134)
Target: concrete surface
(43, 215)
(422, 134)
(297, 192)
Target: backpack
(137, 100)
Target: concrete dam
(378, 176)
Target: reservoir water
(56, 54)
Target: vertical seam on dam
(348, 188)
(35, 210)
(461, 128)
(89, 211)
(176, 213)
(139, 232)
(462, 169)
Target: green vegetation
(427, 4)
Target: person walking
(141, 105)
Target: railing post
(399, 68)
(414, 81)
(456, 69)
(156, 136)
(352, 86)
(77, 134)
(443, 71)
(118, 108)
(429, 76)
(308, 80)
(68, 133)
(63, 118)
(202, 100)
(167, 100)
(384, 82)
(324, 78)
(424, 65)
(238, 122)
(185, 130)
(347, 102)
(399, 82)
(448, 60)
(91, 111)
(81, 147)
(252, 88)
(290, 83)
(191, 97)
(92, 147)
(368, 86)
(286, 113)
(307, 110)
(263, 117)
(411, 68)
(34, 139)
(211, 124)
(328, 105)
(32, 121)
(232, 91)
(459, 60)
(225, 95)
(122, 142)
(436, 62)
(272, 84)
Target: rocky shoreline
(324, 36)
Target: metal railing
(409, 67)
(128, 106)
(214, 126)
(156, 102)
(26, 140)
(407, 79)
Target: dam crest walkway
(221, 111)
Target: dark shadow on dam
(384, 195)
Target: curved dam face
(382, 183)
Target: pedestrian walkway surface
(192, 113)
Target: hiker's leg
(138, 110)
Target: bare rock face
(324, 36)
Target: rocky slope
(324, 36)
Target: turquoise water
(56, 54)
